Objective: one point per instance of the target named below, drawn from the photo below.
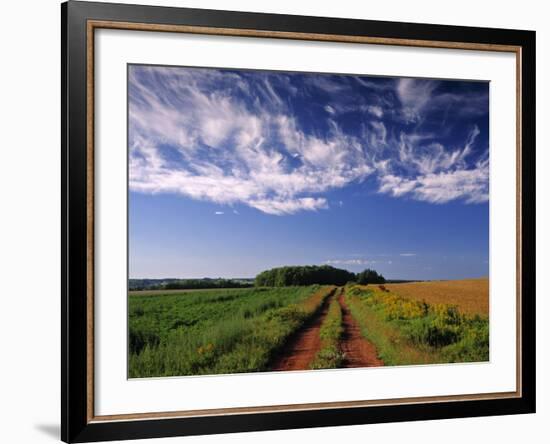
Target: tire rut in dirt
(300, 350)
(358, 351)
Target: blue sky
(232, 172)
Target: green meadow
(195, 332)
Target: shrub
(292, 313)
(369, 276)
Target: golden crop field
(471, 295)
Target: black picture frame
(76, 423)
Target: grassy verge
(330, 355)
(214, 332)
(406, 331)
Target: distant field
(181, 292)
(470, 295)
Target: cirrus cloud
(235, 137)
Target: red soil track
(358, 352)
(301, 349)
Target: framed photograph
(276, 221)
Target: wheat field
(470, 295)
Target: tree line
(187, 284)
(315, 274)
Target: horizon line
(251, 278)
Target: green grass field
(214, 331)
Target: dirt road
(358, 352)
(301, 348)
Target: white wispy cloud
(414, 95)
(377, 136)
(435, 174)
(224, 149)
(407, 254)
(219, 213)
(350, 262)
(375, 110)
(471, 185)
(230, 138)
(289, 206)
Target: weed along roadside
(330, 353)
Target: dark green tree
(303, 275)
(369, 276)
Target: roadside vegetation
(215, 331)
(408, 331)
(330, 354)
